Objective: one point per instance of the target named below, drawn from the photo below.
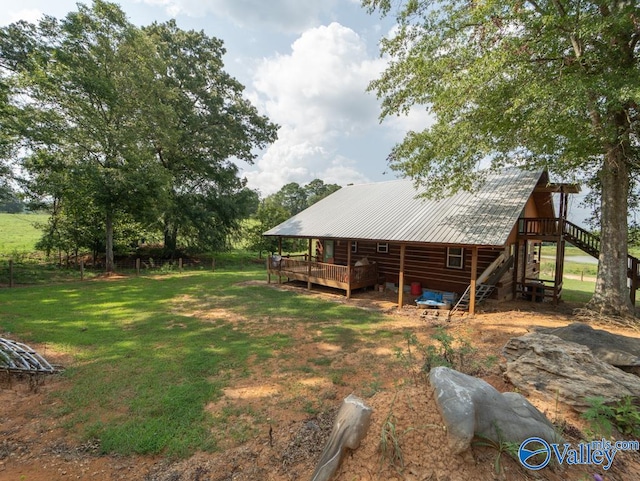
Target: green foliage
(129, 125)
(389, 446)
(599, 416)
(623, 415)
(447, 351)
(544, 84)
(627, 417)
(146, 363)
(201, 123)
(502, 447)
(275, 209)
(512, 83)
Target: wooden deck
(322, 273)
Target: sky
(305, 64)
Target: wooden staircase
(493, 274)
(482, 292)
(590, 243)
(553, 229)
(582, 239)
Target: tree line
(122, 130)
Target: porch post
(280, 254)
(516, 266)
(309, 267)
(401, 278)
(474, 275)
(634, 280)
(348, 269)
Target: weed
(627, 417)
(390, 444)
(309, 408)
(448, 351)
(372, 388)
(321, 361)
(502, 447)
(602, 418)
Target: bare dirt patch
(280, 415)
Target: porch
(309, 269)
(560, 231)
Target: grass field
(149, 353)
(19, 232)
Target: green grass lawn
(577, 291)
(149, 355)
(19, 232)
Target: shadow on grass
(151, 352)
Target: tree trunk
(170, 237)
(109, 262)
(611, 296)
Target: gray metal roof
(393, 212)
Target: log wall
(424, 264)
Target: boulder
(555, 368)
(617, 350)
(349, 428)
(471, 407)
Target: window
(383, 247)
(354, 247)
(455, 257)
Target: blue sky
(306, 65)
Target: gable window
(383, 247)
(455, 257)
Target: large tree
(82, 87)
(198, 125)
(532, 83)
(144, 120)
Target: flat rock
(615, 349)
(470, 407)
(555, 368)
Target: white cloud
(317, 94)
(282, 15)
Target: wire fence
(32, 271)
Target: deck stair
(582, 239)
(482, 292)
(590, 243)
(579, 237)
(486, 283)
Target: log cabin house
(473, 245)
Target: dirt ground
(289, 436)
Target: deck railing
(322, 272)
(539, 226)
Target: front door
(328, 251)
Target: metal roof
(394, 212)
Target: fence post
(81, 270)
(138, 266)
(10, 272)
(180, 264)
(213, 264)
